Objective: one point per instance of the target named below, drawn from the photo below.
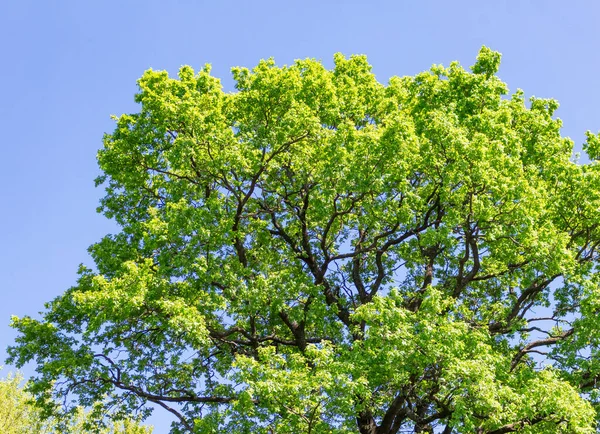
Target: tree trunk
(366, 423)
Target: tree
(18, 415)
(321, 253)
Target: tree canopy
(318, 252)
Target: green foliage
(321, 253)
(19, 415)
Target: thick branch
(540, 343)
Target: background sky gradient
(65, 66)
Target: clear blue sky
(67, 65)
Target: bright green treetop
(19, 415)
(321, 253)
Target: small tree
(19, 415)
(318, 252)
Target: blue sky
(67, 65)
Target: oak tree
(318, 252)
